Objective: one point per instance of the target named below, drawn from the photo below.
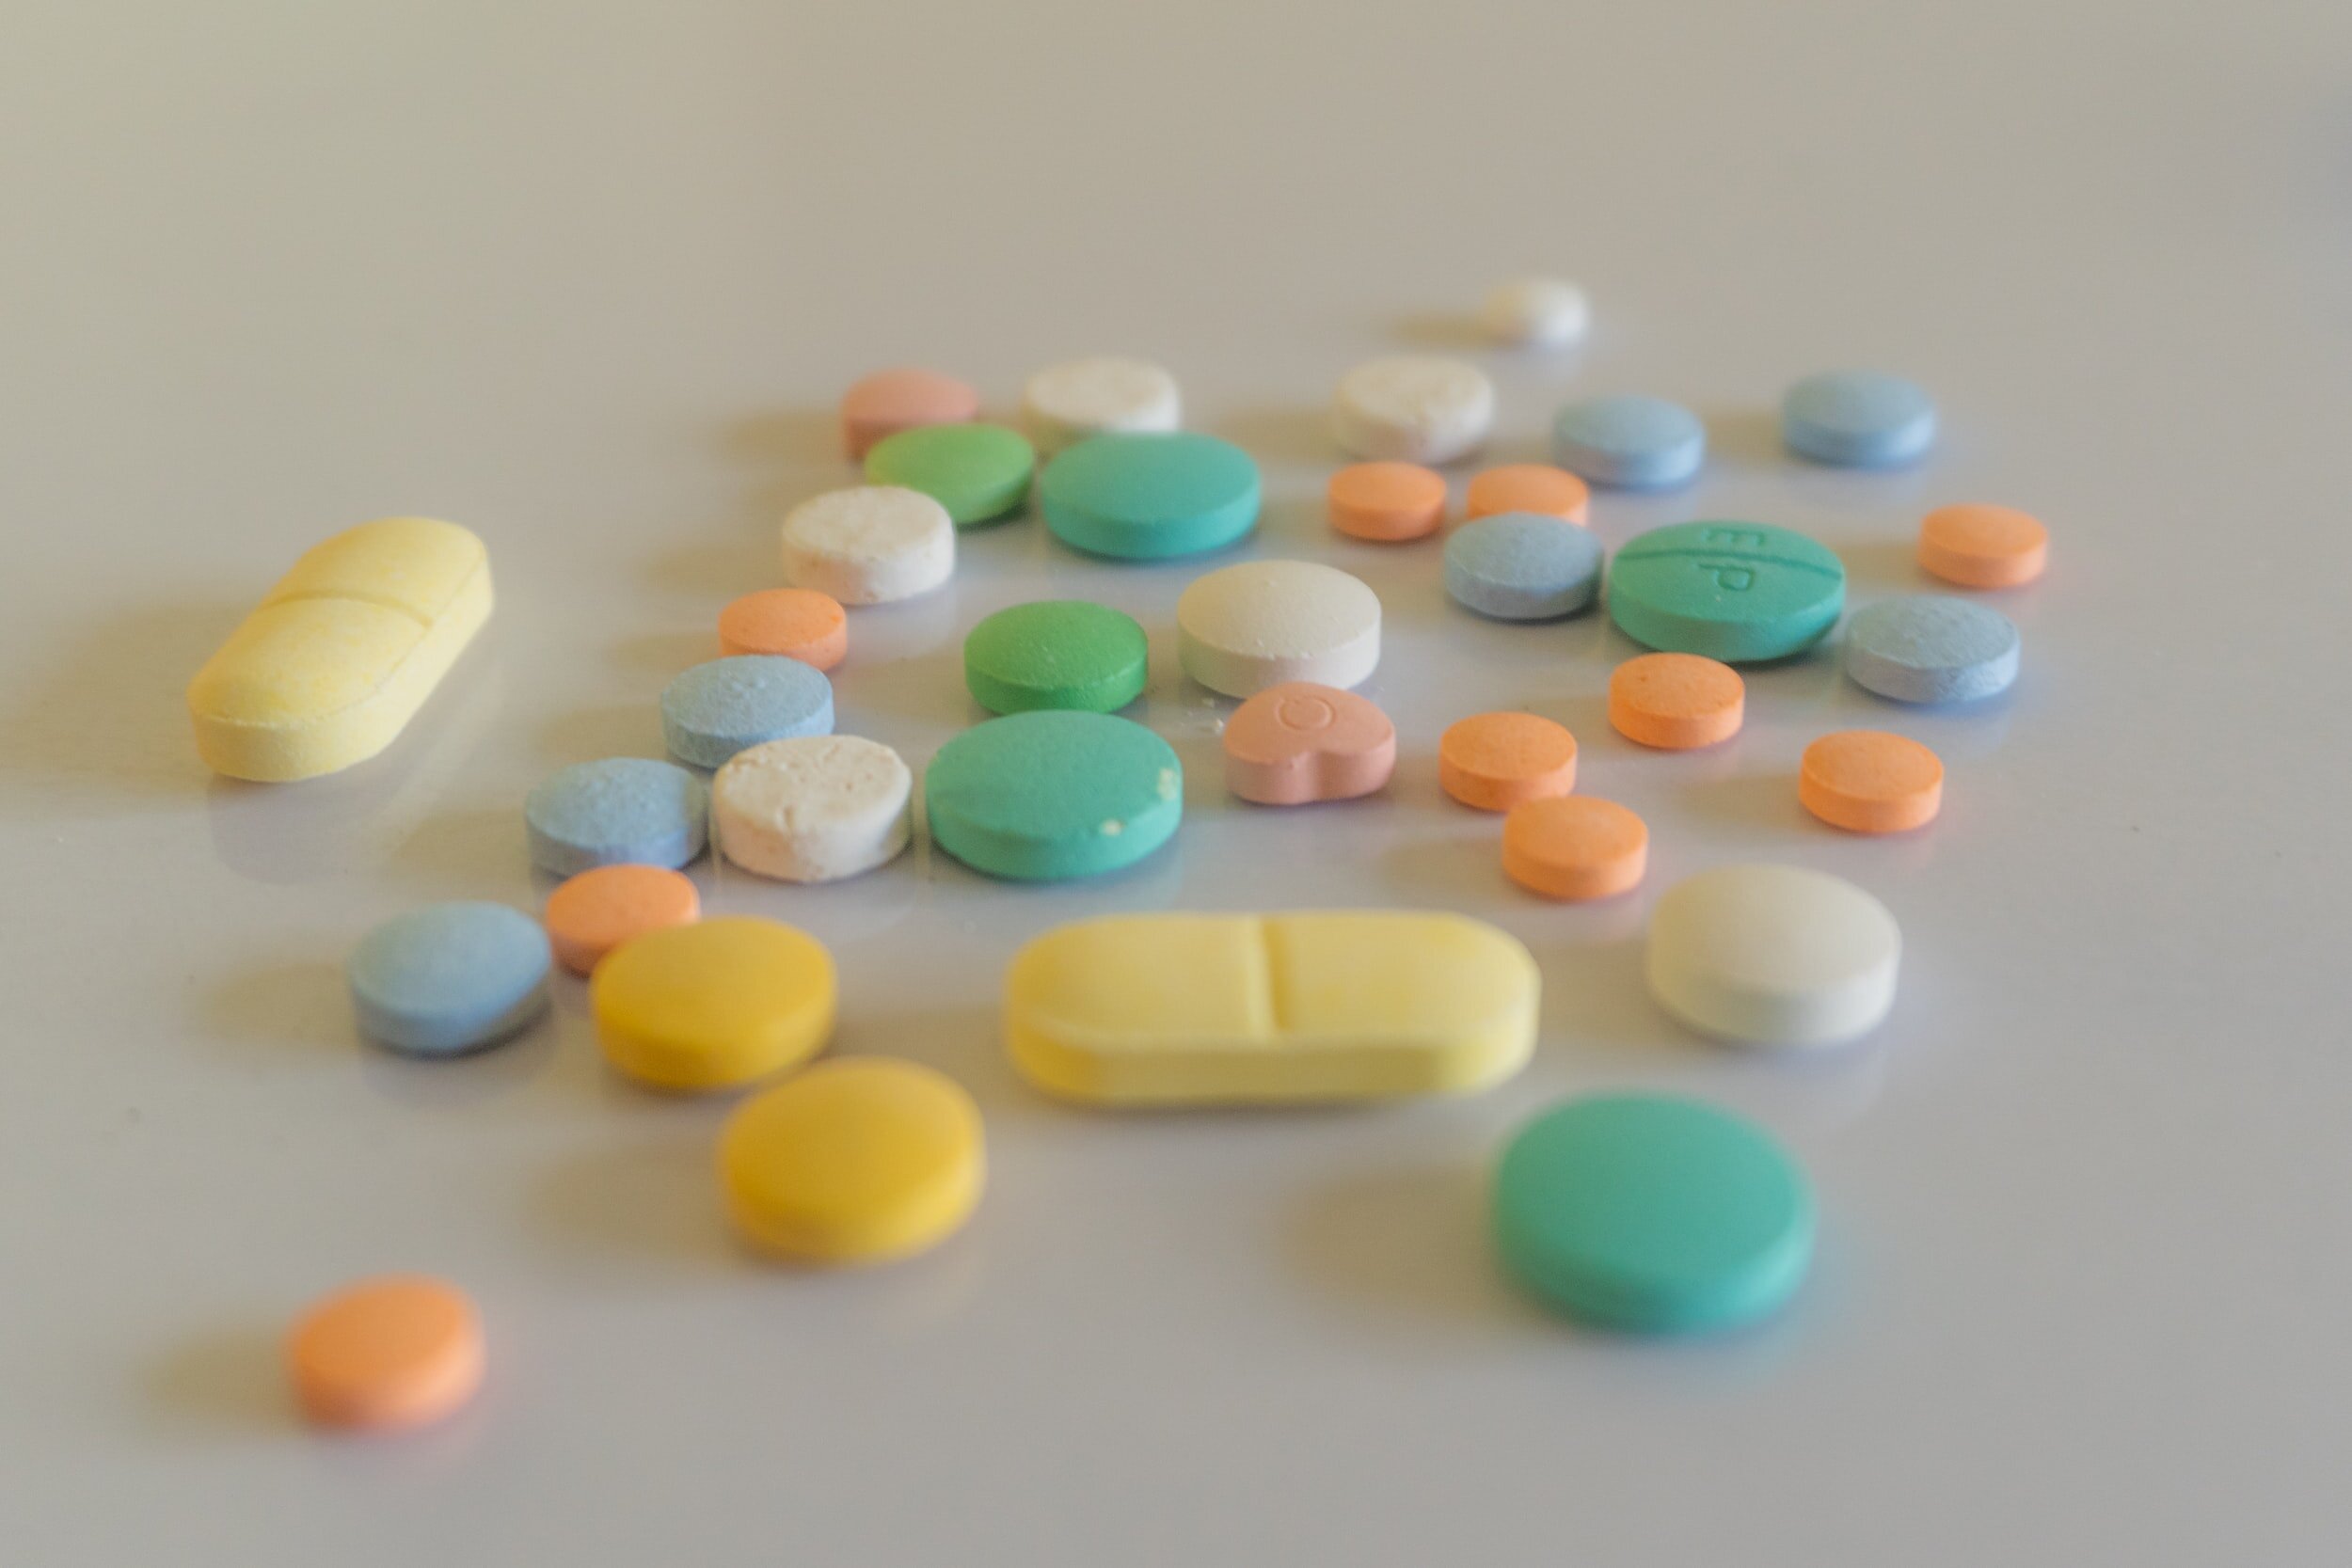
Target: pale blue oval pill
(622, 811)
(1932, 648)
(1857, 420)
(1629, 443)
(448, 978)
(1522, 566)
(727, 705)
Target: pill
(713, 1005)
(619, 810)
(1413, 408)
(1773, 954)
(341, 653)
(788, 622)
(1203, 1009)
(1053, 795)
(978, 472)
(1063, 404)
(1054, 653)
(1574, 846)
(1535, 313)
(1148, 497)
(888, 402)
(1652, 1215)
(1299, 742)
(1493, 761)
(1740, 592)
(714, 710)
(386, 1353)
(815, 809)
(1527, 487)
(1676, 701)
(870, 544)
(448, 978)
(1242, 629)
(1388, 502)
(589, 915)
(1930, 648)
(1522, 566)
(861, 1158)
(1857, 420)
(1983, 547)
(1870, 781)
(1630, 442)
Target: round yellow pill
(713, 1005)
(856, 1160)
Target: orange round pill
(888, 402)
(398, 1351)
(1676, 701)
(1528, 487)
(1388, 502)
(1574, 846)
(1493, 761)
(595, 911)
(795, 622)
(1870, 781)
(1983, 547)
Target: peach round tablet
(592, 913)
(1870, 781)
(1299, 742)
(1676, 701)
(1494, 761)
(1528, 487)
(788, 623)
(888, 402)
(399, 1350)
(1387, 503)
(1983, 547)
(1574, 846)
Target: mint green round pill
(978, 472)
(1735, 592)
(1052, 795)
(1146, 496)
(1652, 1214)
(1056, 653)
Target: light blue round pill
(448, 978)
(1629, 443)
(1149, 495)
(1857, 420)
(622, 811)
(1522, 566)
(1932, 648)
(717, 710)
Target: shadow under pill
(109, 717)
(304, 1005)
(1407, 1246)
(223, 1381)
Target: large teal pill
(978, 472)
(1146, 496)
(1652, 1214)
(1735, 592)
(1046, 796)
(1055, 653)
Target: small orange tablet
(1528, 487)
(393, 1351)
(1493, 761)
(1870, 781)
(1387, 503)
(1676, 701)
(1983, 547)
(595, 911)
(1574, 846)
(794, 623)
(888, 402)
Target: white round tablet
(814, 808)
(870, 544)
(1415, 408)
(1257, 624)
(1063, 404)
(1535, 313)
(1773, 956)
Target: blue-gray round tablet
(448, 978)
(622, 811)
(1932, 648)
(717, 710)
(1857, 420)
(1630, 443)
(1522, 566)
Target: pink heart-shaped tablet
(1299, 742)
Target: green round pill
(1056, 653)
(1046, 796)
(1652, 1214)
(1735, 591)
(1146, 496)
(978, 472)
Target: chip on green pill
(1053, 795)
(1056, 654)
(978, 472)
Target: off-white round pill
(870, 544)
(1063, 404)
(1773, 956)
(814, 808)
(1416, 408)
(1257, 624)
(1535, 313)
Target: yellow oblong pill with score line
(713, 1005)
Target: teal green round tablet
(1146, 496)
(1740, 592)
(1056, 653)
(1652, 1215)
(1052, 795)
(978, 472)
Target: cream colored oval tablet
(1413, 408)
(1773, 956)
(814, 809)
(1063, 404)
(1257, 623)
(870, 544)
